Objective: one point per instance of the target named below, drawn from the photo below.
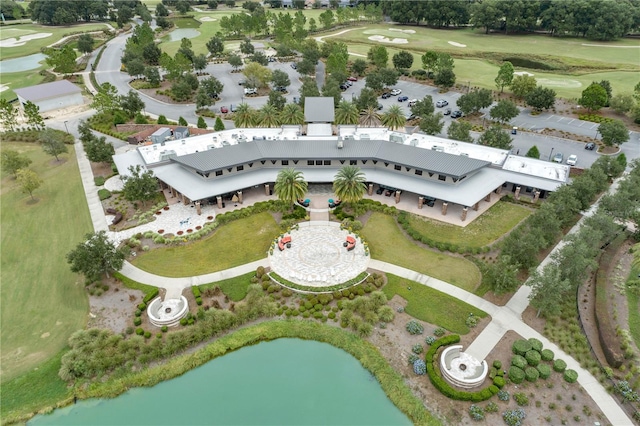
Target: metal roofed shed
(181, 132)
(319, 110)
(51, 96)
(161, 135)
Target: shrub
(98, 180)
(164, 328)
(439, 332)
(559, 365)
(138, 312)
(104, 194)
(570, 376)
(142, 306)
(429, 340)
(414, 327)
(413, 358)
(622, 387)
(476, 413)
(419, 367)
(521, 347)
(514, 417)
(531, 374)
(147, 334)
(547, 354)
(499, 382)
(518, 361)
(536, 344)
(139, 331)
(503, 395)
(137, 321)
(471, 320)
(497, 364)
(516, 374)
(521, 399)
(544, 370)
(417, 349)
(491, 407)
(533, 357)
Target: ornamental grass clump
(476, 413)
(414, 327)
(429, 340)
(417, 349)
(514, 417)
(419, 367)
(503, 395)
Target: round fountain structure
(462, 369)
(167, 312)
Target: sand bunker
(559, 82)
(3, 87)
(456, 44)
(15, 42)
(523, 73)
(403, 31)
(208, 19)
(383, 39)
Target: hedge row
(150, 296)
(433, 370)
(286, 283)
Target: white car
(396, 92)
(250, 91)
(572, 160)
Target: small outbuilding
(51, 96)
(181, 132)
(161, 135)
(319, 114)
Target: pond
(24, 63)
(180, 33)
(286, 381)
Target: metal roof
(48, 90)
(319, 109)
(380, 150)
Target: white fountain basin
(167, 312)
(461, 369)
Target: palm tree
(290, 185)
(370, 118)
(347, 113)
(348, 184)
(291, 114)
(394, 118)
(268, 116)
(245, 116)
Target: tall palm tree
(370, 118)
(394, 118)
(291, 114)
(347, 113)
(245, 116)
(268, 116)
(290, 185)
(349, 184)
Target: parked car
(343, 87)
(442, 103)
(396, 92)
(403, 98)
(348, 83)
(282, 89)
(412, 102)
(572, 160)
(379, 107)
(353, 78)
(271, 59)
(250, 91)
(456, 114)
(447, 111)
(386, 95)
(590, 146)
(294, 65)
(224, 109)
(234, 108)
(558, 158)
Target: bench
(351, 243)
(117, 219)
(284, 241)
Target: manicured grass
(42, 301)
(17, 80)
(633, 302)
(486, 229)
(235, 288)
(34, 390)
(236, 243)
(129, 283)
(34, 46)
(432, 306)
(387, 243)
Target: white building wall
(57, 103)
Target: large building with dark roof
(425, 167)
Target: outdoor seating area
(334, 203)
(304, 203)
(350, 244)
(284, 242)
(386, 190)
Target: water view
(23, 63)
(179, 34)
(287, 381)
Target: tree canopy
(96, 256)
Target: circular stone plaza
(319, 254)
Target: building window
(318, 162)
(430, 174)
(327, 162)
(442, 177)
(230, 168)
(240, 168)
(419, 172)
(262, 162)
(273, 161)
(353, 162)
(218, 172)
(375, 162)
(295, 161)
(309, 162)
(341, 161)
(454, 180)
(285, 162)
(386, 164)
(250, 164)
(364, 161)
(397, 167)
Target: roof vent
(340, 143)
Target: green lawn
(633, 301)
(236, 243)
(486, 229)
(236, 288)
(17, 80)
(42, 301)
(432, 306)
(387, 243)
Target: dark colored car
(343, 87)
(429, 201)
(456, 114)
(242, 82)
(280, 89)
(271, 59)
(380, 190)
(224, 109)
(590, 146)
(379, 107)
(447, 111)
(294, 65)
(386, 95)
(403, 98)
